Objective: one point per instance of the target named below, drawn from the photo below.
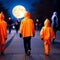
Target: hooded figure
(54, 23)
(3, 33)
(46, 34)
(27, 30)
(54, 19)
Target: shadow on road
(56, 45)
(9, 41)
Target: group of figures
(13, 25)
(27, 30)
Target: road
(15, 50)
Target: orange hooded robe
(46, 34)
(27, 26)
(3, 32)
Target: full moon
(19, 11)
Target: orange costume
(46, 34)
(27, 26)
(3, 33)
(27, 30)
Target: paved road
(15, 49)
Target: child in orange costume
(46, 34)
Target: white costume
(52, 19)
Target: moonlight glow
(18, 11)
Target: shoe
(28, 52)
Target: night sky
(39, 9)
(9, 4)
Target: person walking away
(10, 24)
(46, 34)
(54, 23)
(3, 33)
(17, 25)
(27, 30)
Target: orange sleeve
(42, 33)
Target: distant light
(9, 18)
(36, 24)
(37, 20)
(19, 11)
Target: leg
(46, 49)
(9, 30)
(29, 45)
(25, 44)
(55, 35)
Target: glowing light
(9, 18)
(37, 20)
(19, 11)
(36, 24)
